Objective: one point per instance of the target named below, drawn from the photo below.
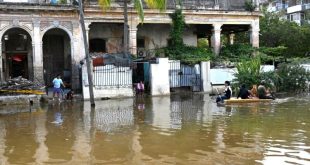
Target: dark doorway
(17, 54)
(56, 56)
(140, 72)
(97, 45)
(18, 65)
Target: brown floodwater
(186, 129)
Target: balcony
(63, 5)
(298, 8)
(190, 4)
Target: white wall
(205, 76)
(159, 77)
(220, 75)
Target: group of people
(259, 92)
(57, 90)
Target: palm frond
(104, 4)
(139, 7)
(156, 4)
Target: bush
(249, 5)
(292, 78)
(248, 72)
(189, 54)
(236, 52)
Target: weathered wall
(111, 33)
(157, 35)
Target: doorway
(17, 54)
(56, 56)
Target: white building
(294, 10)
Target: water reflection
(176, 129)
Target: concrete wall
(205, 76)
(220, 75)
(111, 33)
(159, 77)
(157, 35)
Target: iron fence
(181, 75)
(117, 76)
(41, 2)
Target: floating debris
(20, 85)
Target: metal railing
(114, 76)
(37, 2)
(193, 4)
(181, 75)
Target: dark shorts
(57, 90)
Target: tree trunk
(89, 73)
(126, 40)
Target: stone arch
(57, 53)
(69, 33)
(17, 52)
(24, 27)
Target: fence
(181, 75)
(112, 76)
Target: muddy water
(187, 129)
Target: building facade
(293, 10)
(40, 39)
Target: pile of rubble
(19, 85)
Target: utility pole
(126, 41)
(89, 73)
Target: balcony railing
(34, 2)
(192, 4)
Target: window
(97, 45)
(140, 43)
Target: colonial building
(40, 39)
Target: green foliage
(292, 78)
(248, 72)
(138, 5)
(249, 5)
(275, 32)
(178, 25)
(177, 49)
(236, 52)
(190, 55)
(62, 1)
(287, 78)
(203, 43)
(242, 38)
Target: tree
(276, 31)
(138, 5)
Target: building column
(254, 34)
(231, 38)
(37, 53)
(87, 24)
(216, 38)
(77, 54)
(256, 3)
(1, 66)
(133, 38)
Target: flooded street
(188, 129)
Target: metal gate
(181, 75)
(112, 75)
